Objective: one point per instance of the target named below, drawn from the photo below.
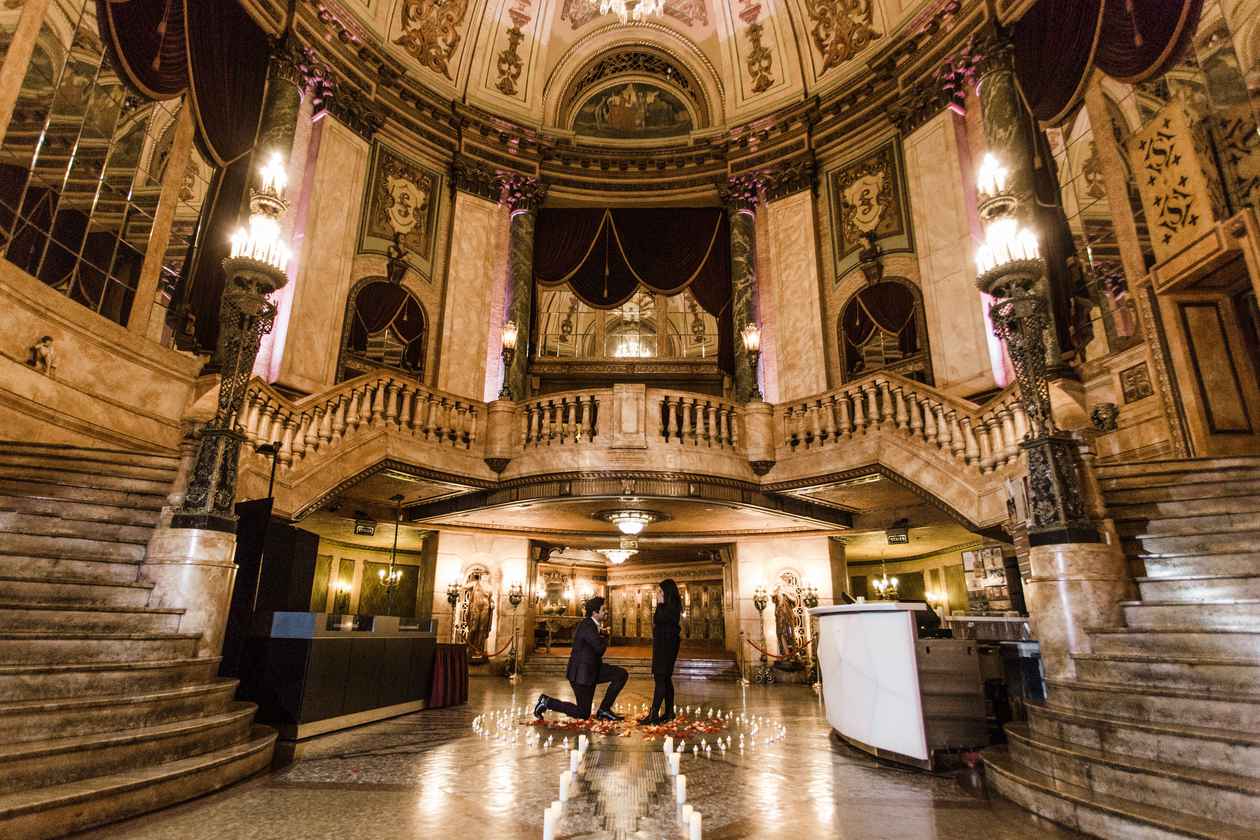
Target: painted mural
(632, 111)
(401, 209)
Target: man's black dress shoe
(608, 714)
(540, 706)
(649, 720)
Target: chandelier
(631, 522)
(628, 10)
(617, 556)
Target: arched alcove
(882, 327)
(385, 326)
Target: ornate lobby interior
(350, 348)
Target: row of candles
(568, 783)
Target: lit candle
(669, 743)
(687, 811)
(680, 789)
(549, 824)
(675, 762)
(564, 786)
(575, 758)
(695, 826)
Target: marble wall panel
(478, 252)
(802, 364)
(942, 206)
(324, 273)
(507, 560)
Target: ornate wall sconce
(751, 337)
(508, 337)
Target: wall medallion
(1135, 383)
(869, 205)
(400, 210)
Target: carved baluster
(459, 422)
(337, 407)
(407, 395)
(378, 404)
(930, 430)
(286, 440)
(859, 410)
(249, 419)
(872, 403)
(734, 430)
(844, 423)
(313, 443)
(299, 439)
(471, 419)
(986, 434)
(265, 417)
(391, 403)
(812, 423)
(1010, 443)
(902, 416)
(325, 428)
(885, 402)
(353, 411)
(570, 418)
(710, 422)
(1021, 421)
(914, 411)
(539, 422)
(971, 447)
(956, 443)
(365, 407)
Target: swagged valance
(605, 255)
(889, 307)
(1058, 43)
(216, 54)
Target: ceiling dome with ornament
(630, 72)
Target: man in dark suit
(586, 670)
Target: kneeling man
(587, 669)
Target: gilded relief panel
(839, 30)
(401, 210)
(431, 31)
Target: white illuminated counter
(892, 694)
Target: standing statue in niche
(784, 619)
(479, 612)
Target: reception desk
(893, 694)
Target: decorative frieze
(791, 177)
(472, 176)
(353, 109)
(840, 29)
(431, 32)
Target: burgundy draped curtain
(1058, 43)
(605, 255)
(215, 52)
(381, 305)
(885, 306)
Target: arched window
(882, 328)
(385, 327)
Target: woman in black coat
(666, 637)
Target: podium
(893, 694)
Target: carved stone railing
(317, 423)
(695, 419)
(568, 418)
(985, 437)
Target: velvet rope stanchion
(763, 651)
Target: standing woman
(666, 637)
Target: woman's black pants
(663, 696)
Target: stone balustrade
(562, 419)
(313, 424)
(985, 437)
(695, 419)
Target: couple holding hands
(587, 669)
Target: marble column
(523, 196)
(741, 196)
(282, 102)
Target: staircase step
(62, 809)
(34, 720)
(1198, 673)
(1220, 542)
(55, 761)
(1215, 588)
(1177, 466)
(77, 491)
(69, 590)
(1086, 811)
(1181, 641)
(1122, 511)
(32, 648)
(88, 679)
(86, 478)
(1224, 797)
(115, 456)
(1144, 492)
(1214, 615)
(76, 547)
(63, 526)
(90, 618)
(98, 466)
(1223, 750)
(1237, 712)
(34, 568)
(1224, 563)
(78, 511)
(1188, 524)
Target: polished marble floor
(429, 775)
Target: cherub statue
(42, 356)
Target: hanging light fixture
(617, 556)
(885, 587)
(262, 242)
(631, 522)
(635, 10)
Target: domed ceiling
(698, 66)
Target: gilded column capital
(352, 109)
(741, 193)
(992, 51)
(289, 62)
(521, 193)
(790, 177)
(473, 177)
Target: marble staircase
(106, 711)
(1157, 733)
